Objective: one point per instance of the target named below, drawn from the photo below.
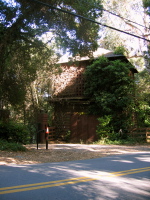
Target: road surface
(118, 177)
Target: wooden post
(46, 137)
(148, 135)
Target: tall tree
(129, 16)
(146, 4)
(22, 51)
(143, 98)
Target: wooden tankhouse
(70, 104)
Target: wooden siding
(70, 105)
(73, 118)
(83, 128)
(70, 82)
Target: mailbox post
(46, 136)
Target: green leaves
(23, 53)
(120, 50)
(146, 3)
(11, 131)
(109, 87)
(11, 146)
(142, 98)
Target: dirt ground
(66, 152)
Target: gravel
(66, 152)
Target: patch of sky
(11, 3)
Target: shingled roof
(100, 52)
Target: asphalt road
(118, 177)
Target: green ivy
(110, 89)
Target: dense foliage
(26, 61)
(143, 98)
(132, 17)
(11, 146)
(110, 88)
(146, 4)
(13, 132)
(22, 51)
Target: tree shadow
(104, 186)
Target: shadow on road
(105, 186)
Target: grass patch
(9, 146)
(128, 141)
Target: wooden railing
(148, 135)
(141, 133)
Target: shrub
(127, 141)
(9, 146)
(14, 132)
(107, 128)
(104, 129)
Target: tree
(132, 18)
(146, 5)
(22, 52)
(110, 89)
(143, 98)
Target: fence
(141, 133)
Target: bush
(14, 132)
(127, 141)
(107, 128)
(9, 146)
(104, 129)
